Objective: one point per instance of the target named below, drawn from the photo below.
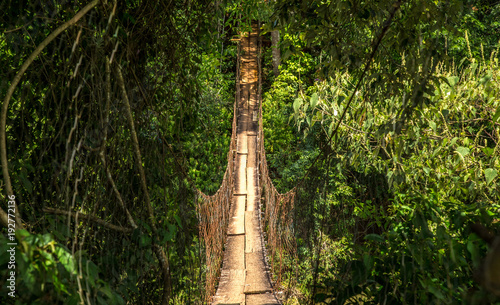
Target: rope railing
(213, 211)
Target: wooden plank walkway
(244, 276)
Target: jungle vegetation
(387, 112)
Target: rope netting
(213, 214)
(213, 211)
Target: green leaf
(26, 183)
(29, 279)
(314, 100)
(22, 233)
(145, 240)
(368, 261)
(66, 259)
(488, 151)
(426, 170)
(432, 125)
(73, 300)
(496, 115)
(178, 220)
(436, 151)
(485, 78)
(296, 104)
(463, 151)
(436, 292)
(374, 237)
(452, 80)
(453, 141)
(490, 174)
(320, 297)
(93, 273)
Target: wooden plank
(251, 181)
(241, 175)
(231, 284)
(252, 203)
(234, 257)
(257, 278)
(237, 220)
(252, 148)
(253, 242)
(261, 299)
(230, 288)
(242, 143)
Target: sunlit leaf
(490, 174)
(296, 104)
(314, 100)
(463, 151)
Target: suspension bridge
(231, 221)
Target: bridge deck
(244, 276)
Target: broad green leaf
(488, 151)
(452, 80)
(368, 261)
(320, 297)
(426, 170)
(66, 259)
(93, 272)
(26, 183)
(22, 233)
(106, 291)
(463, 151)
(296, 104)
(74, 299)
(436, 151)
(432, 125)
(314, 100)
(30, 279)
(178, 220)
(490, 174)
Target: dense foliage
(104, 226)
(386, 212)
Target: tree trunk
(275, 39)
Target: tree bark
(275, 41)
